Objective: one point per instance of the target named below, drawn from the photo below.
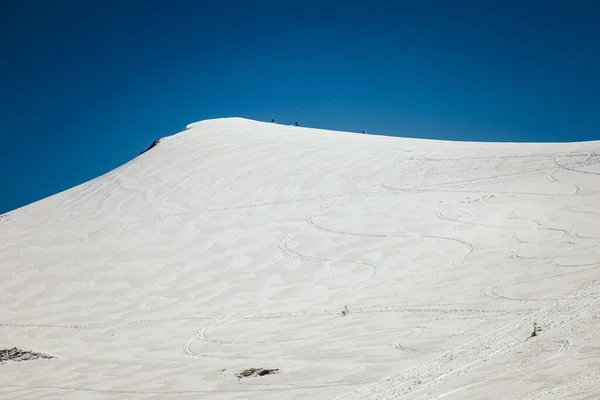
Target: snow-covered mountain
(239, 244)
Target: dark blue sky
(86, 85)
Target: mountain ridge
(352, 266)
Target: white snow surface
(237, 244)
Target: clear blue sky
(86, 85)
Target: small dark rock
(254, 372)
(157, 141)
(19, 355)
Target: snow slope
(237, 244)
